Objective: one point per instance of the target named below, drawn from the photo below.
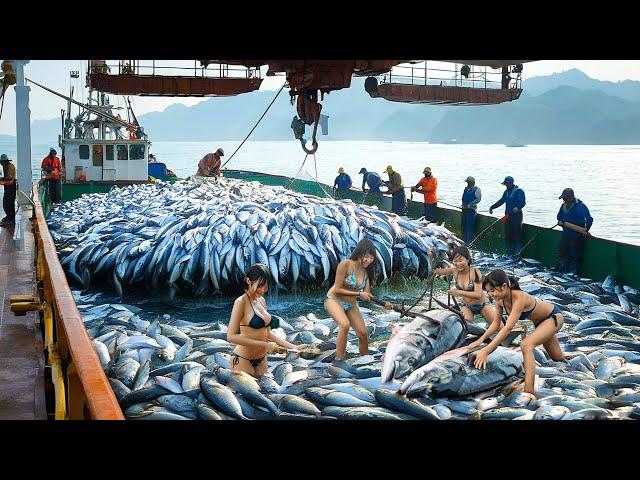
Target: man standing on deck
(514, 200)
(471, 196)
(51, 169)
(428, 186)
(575, 220)
(396, 189)
(372, 179)
(210, 164)
(10, 190)
(342, 183)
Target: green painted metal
(601, 257)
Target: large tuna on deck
(453, 374)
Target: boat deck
(21, 357)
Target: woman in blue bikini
(250, 325)
(352, 283)
(519, 305)
(468, 286)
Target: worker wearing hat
(471, 196)
(372, 179)
(396, 188)
(210, 164)
(10, 189)
(514, 200)
(575, 220)
(51, 172)
(428, 186)
(341, 184)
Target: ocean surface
(605, 177)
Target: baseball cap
(427, 170)
(508, 180)
(363, 170)
(4, 158)
(567, 193)
(220, 151)
(470, 179)
(52, 150)
(388, 169)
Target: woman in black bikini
(250, 325)
(519, 305)
(468, 286)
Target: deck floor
(21, 357)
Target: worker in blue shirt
(471, 196)
(514, 200)
(575, 220)
(341, 184)
(372, 179)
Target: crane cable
(254, 127)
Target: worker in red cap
(210, 164)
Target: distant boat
(518, 145)
(453, 140)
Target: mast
(23, 132)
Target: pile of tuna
(167, 368)
(200, 238)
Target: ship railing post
(23, 131)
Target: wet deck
(21, 359)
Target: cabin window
(123, 153)
(108, 152)
(97, 155)
(84, 152)
(137, 152)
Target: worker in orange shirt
(51, 169)
(428, 186)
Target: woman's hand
(474, 344)
(365, 296)
(481, 359)
(273, 347)
(388, 306)
(302, 346)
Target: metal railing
(440, 75)
(81, 388)
(156, 68)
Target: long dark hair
(366, 247)
(259, 272)
(496, 278)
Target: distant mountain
(564, 115)
(563, 108)
(627, 89)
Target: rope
(534, 237)
(4, 89)
(299, 170)
(404, 312)
(316, 179)
(484, 231)
(254, 127)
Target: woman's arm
(494, 327)
(341, 273)
(233, 332)
(279, 341)
(444, 271)
(516, 310)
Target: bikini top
(524, 315)
(350, 281)
(258, 322)
(469, 287)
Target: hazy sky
(55, 75)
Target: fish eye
(411, 361)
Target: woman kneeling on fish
(352, 283)
(519, 305)
(250, 325)
(468, 285)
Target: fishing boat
(98, 156)
(515, 145)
